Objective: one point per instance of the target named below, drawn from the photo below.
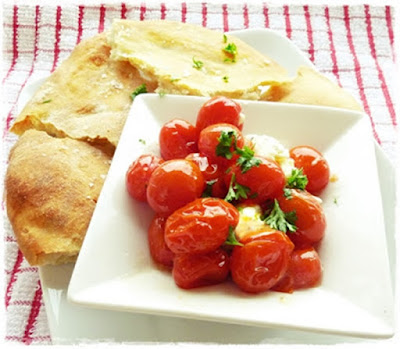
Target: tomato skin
(201, 226)
(208, 141)
(265, 181)
(310, 222)
(260, 263)
(304, 271)
(139, 173)
(196, 270)
(174, 184)
(314, 166)
(159, 251)
(219, 109)
(178, 138)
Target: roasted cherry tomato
(139, 173)
(218, 110)
(159, 251)
(201, 226)
(265, 181)
(196, 270)
(174, 184)
(209, 139)
(212, 174)
(178, 138)
(261, 262)
(304, 271)
(310, 221)
(314, 166)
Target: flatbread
(311, 87)
(52, 186)
(167, 51)
(86, 98)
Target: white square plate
(114, 269)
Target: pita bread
(311, 87)
(167, 51)
(86, 98)
(52, 186)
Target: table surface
(352, 45)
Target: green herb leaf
(46, 101)
(225, 39)
(231, 50)
(236, 191)
(197, 64)
(226, 139)
(335, 201)
(287, 193)
(297, 179)
(225, 78)
(141, 89)
(161, 93)
(174, 79)
(142, 141)
(246, 158)
(280, 220)
(208, 191)
(231, 240)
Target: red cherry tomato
(209, 140)
(201, 226)
(265, 181)
(139, 173)
(314, 166)
(178, 138)
(212, 174)
(159, 251)
(260, 263)
(304, 271)
(310, 220)
(196, 270)
(174, 184)
(218, 110)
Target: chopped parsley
(231, 240)
(335, 201)
(197, 64)
(208, 191)
(277, 219)
(236, 191)
(174, 79)
(225, 141)
(297, 179)
(142, 141)
(46, 101)
(287, 193)
(161, 93)
(231, 50)
(141, 89)
(225, 78)
(225, 39)
(246, 158)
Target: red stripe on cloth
(184, 12)
(382, 79)
(15, 42)
(225, 17)
(204, 14)
(13, 278)
(163, 11)
(335, 69)
(102, 18)
(246, 16)
(34, 339)
(142, 12)
(287, 21)
(309, 33)
(358, 71)
(58, 36)
(35, 308)
(390, 30)
(123, 11)
(35, 53)
(80, 20)
(266, 16)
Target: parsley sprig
(297, 179)
(236, 191)
(231, 240)
(197, 64)
(246, 158)
(225, 141)
(277, 219)
(208, 191)
(141, 89)
(231, 50)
